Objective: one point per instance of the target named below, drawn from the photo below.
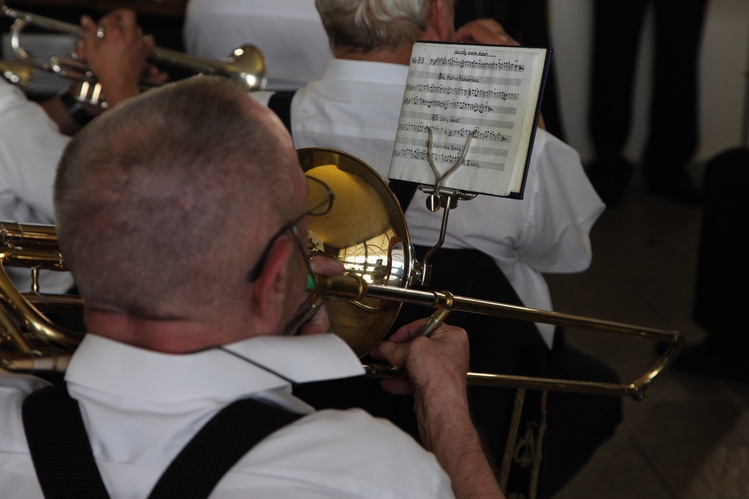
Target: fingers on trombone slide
(431, 325)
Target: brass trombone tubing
(254, 79)
(354, 287)
(20, 307)
(14, 234)
(35, 246)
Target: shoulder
(9, 94)
(347, 452)
(27, 121)
(355, 428)
(559, 171)
(550, 150)
(14, 388)
(351, 422)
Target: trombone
(246, 63)
(363, 303)
(365, 229)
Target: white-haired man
(355, 108)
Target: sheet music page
(457, 89)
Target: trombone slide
(354, 287)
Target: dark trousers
(721, 288)
(672, 134)
(578, 423)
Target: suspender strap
(59, 446)
(280, 103)
(66, 468)
(218, 446)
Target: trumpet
(363, 303)
(246, 63)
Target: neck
(162, 335)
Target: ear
(270, 289)
(441, 18)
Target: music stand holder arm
(446, 199)
(440, 197)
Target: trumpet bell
(245, 64)
(375, 246)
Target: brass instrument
(353, 287)
(17, 72)
(36, 343)
(374, 246)
(246, 63)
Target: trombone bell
(375, 246)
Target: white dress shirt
(30, 148)
(288, 32)
(141, 407)
(355, 109)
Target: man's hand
(488, 32)
(484, 31)
(436, 366)
(118, 55)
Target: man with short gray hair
(184, 226)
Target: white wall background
(723, 76)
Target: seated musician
(495, 248)
(183, 226)
(32, 140)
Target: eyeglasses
(319, 202)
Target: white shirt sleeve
(30, 148)
(564, 207)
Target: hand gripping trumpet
(246, 63)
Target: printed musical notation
(489, 95)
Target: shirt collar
(368, 71)
(120, 369)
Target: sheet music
(457, 89)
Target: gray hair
(366, 25)
(163, 202)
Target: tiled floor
(690, 438)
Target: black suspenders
(65, 464)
